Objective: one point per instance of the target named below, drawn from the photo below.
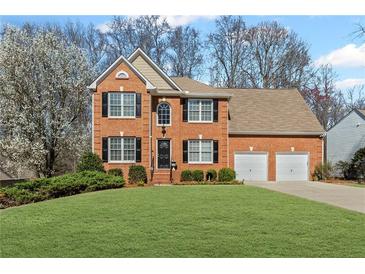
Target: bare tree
(229, 50)
(185, 56)
(147, 32)
(325, 100)
(359, 33)
(278, 58)
(355, 98)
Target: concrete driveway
(348, 197)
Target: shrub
(226, 174)
(211, 175)
(198, 175)
(358, 164)
(115, 172)
(66, 185)
(90, 162)
(343, 168)
(322, 171)
(136, 174)
(186, 175)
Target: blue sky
(329, 37)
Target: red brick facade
(179, 131)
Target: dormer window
(122, 75)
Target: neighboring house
(142, 116)
(346, 137)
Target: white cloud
(350, 55)
(349, 83)
(180, 20)
(104, 27)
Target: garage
(251, 166)
(292, 166)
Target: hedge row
(224, 175)
(60, 186)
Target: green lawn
(181, 221)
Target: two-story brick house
(143, 116)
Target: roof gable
(113, 66)
(359, 112)
(151, 71)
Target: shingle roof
(266, 111)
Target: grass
(181, 221)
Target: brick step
(161, 178)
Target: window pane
(128, 104)
(163, 114)
(128, 149)
(206, 151)
(115, 149)
(206, 107)
(193, 110)
(115, 104)
(193, 151)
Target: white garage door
(251, 166)
(292, 167)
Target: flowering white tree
(43, 99)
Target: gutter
(187, 94)
(278, 133)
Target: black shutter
(215, 110)
(105, 149)
(215, 151)
(104, 103)
(138, 149)
(185, 110)
(138, 104)
(185, 151)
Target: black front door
(163, 152)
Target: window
(163, 114)
(122, 149)
(122, 75)
(122, 105)
(200, 151)
(200, 110)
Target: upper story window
(122, 105)
(200, 110)
(122, 75)
(163, 114)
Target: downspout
(92, 122)
(323, 136)
(150, 136)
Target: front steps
(161, 178)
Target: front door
(163, 153)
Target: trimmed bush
(66, 185)
(90, 162)
(322, 171)
(198, 175)
(226, 174)
(211, 175)
(186, 176)
(115, 172)
(136, 174)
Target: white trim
(160, 125)
(162, 139)
(121, 106)
(122, 75)
(121, 59)
(92, 123)
(200, 111)
(122, 151)
(200, 152)
(138, 52)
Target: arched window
(122, 75)
(163, 114)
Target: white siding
(345, 138)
